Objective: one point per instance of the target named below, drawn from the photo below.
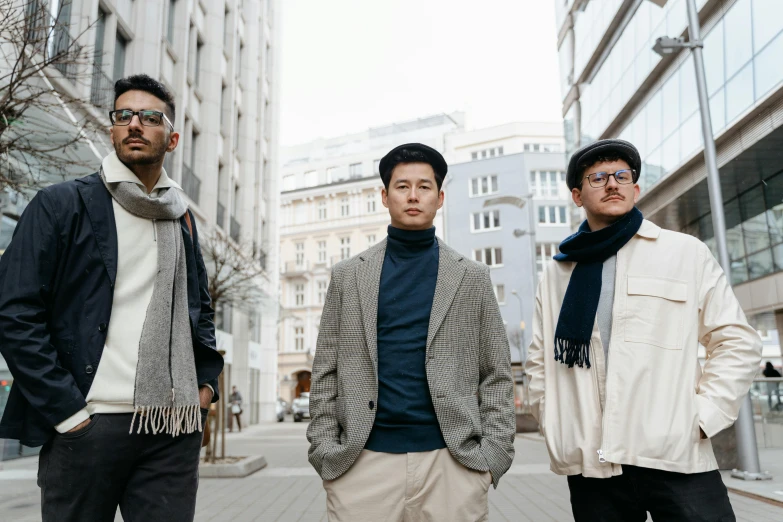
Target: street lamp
(747, 452)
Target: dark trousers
(85, 475)
(668, 496)
(231, 418)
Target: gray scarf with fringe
(165, 398)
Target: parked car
(280, 408)
(301, 407)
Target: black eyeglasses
(600, 179)
(148, 118)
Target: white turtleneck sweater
(137, 264)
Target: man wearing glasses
(106, 325)
(625, 407)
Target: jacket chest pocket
(655, 311)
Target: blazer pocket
(655, 311)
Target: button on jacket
(468, 366)
(56, 287)
(646, 406)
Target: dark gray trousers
(85, 475)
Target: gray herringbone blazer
(468, 366)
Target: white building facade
(220, 61)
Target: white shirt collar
(116, 171)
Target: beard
(155, 153)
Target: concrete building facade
(220, 61)
(614, 85)
(484, 226)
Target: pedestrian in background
(615, 381)
(107, 328)
(412, 398)
(235, 399)
(773, 388)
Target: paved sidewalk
(289, 490)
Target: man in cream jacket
(625, 407)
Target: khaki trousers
(408, 487)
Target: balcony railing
(191, 184)
(221, 215)
(102, 91)
(292, 267)
(63, 45)
(235, 229)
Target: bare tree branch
(39, 139)
(234, 275)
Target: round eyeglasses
(600, 179)
(148, 118)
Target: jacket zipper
(605, 406)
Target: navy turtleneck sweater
(405, 421)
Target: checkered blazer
(468, 366)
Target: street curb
(756, 496)
(240, 469)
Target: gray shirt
(604, 312)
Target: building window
(120, 50)
(299, 254)
(371, 203)
(300, 213)
(552, 215)
(170, 24)
(311, 178)
(483, 185)
(289, 182)
(500, 151)
(547, 184)
(321, 292)
(500, 293)
(331, 172)
(355, 170)
(489, 256)
(544, 252)
(299, 338)
(345, 247)
(345, 207)
(322, 251)
(322, 210)
(299, 294)
(370, 240)
(489, 220)
(474, 155)
(376, 167)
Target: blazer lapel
(368, 277)
(98, 203)
(451, 270)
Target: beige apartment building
(220, 60)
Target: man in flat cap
(412, 398)
(625, 407)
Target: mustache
(612, 195)
(135, 137)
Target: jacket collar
(451, 270)
(649, 230)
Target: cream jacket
(646, 406)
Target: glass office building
(614, 85)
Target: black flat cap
(589, 153)
(425, 155)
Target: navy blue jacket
(56, 291)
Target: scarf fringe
(572, 352)
(180, 420)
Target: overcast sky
(348, 65)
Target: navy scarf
(577, 315)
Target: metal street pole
(747, 451)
